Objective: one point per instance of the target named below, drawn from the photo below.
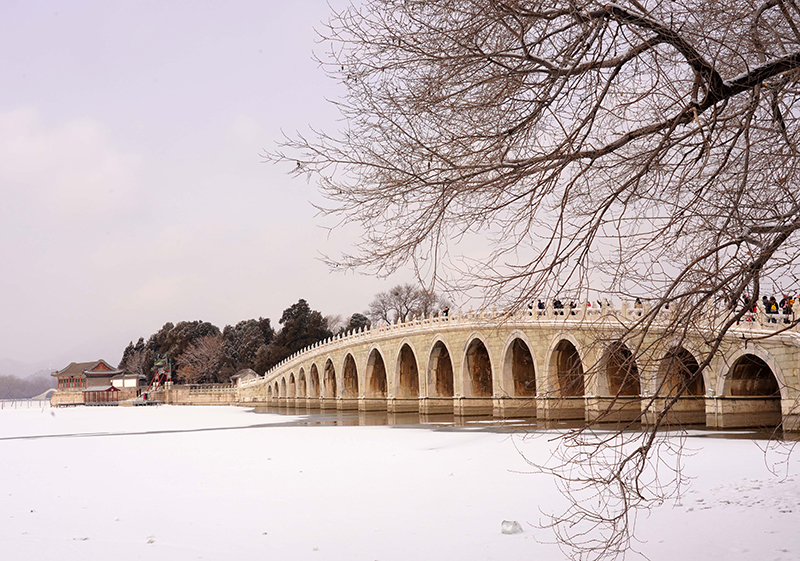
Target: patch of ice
(511, 527)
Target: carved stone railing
(211, 388)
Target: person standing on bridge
(772, 308)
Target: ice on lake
(178, 483)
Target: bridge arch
(269, 392)
(375, 385)
(708, 373)
(565, 372)
(478, 376)
(440, 382)
(406, 379)
(276, 392)
(283, 387)
(620, 371)
(302, 390)
(518, 375)
(291, 390)
(752, 372)
(329, 379)
(349, 376)
(313, 381)
(675, 371)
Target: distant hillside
(12, 387)
(11, 367)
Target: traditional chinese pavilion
(91, 383)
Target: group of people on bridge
(772, 307)
(559, 306)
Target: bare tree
(583, 138)
(137, 363)
(648, 148)
(403, 302)
(336, 323)
(201, 362)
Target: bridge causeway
(551, 365)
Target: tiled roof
(101, 367)
(96, 367)
(75, 368)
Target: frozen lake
(178, 483)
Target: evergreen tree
(302, 327)
(242, 342)
(357, 322)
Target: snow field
(178, 483)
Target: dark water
(383, 418)
(444, 421)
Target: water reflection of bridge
(548, 366)
(354, 418)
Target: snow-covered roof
(245, 373)
(100, 389)
(124, 376)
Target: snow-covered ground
(178, 483)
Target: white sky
(132, 192)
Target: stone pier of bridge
(551, 365)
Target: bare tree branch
(518, 150)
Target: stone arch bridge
(549, 364)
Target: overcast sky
(132, 191)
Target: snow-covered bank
(179, 483)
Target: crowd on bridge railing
(783, 311)
(580, 309)
(559, 308)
